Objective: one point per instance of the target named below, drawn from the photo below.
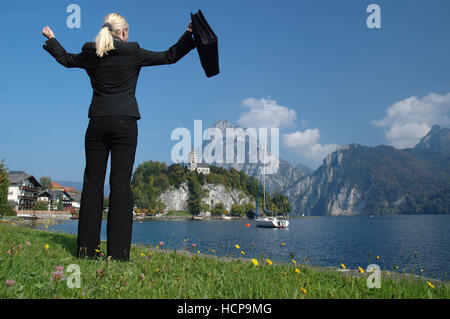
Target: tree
(219, 209)
(4, 183)
(235, 178)
(249, 209)
(281, 202)
(46, 182)
(195, 194)
(41, 206)
(59, 205)
(5, 208)
(205, 207)
(176, 175)
(149, 180)
(237, 210)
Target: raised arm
(53, 47)
(173, 54)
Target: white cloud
(407, 121)
(407, 135)
(266, 113)
(307, 145)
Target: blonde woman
(113, 65)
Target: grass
(156, 273)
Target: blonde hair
(104, 40)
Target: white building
(199, 167)
(23, 190)
(46, 198)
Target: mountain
(305, 169)
(434, 150)
(437, 140)
(286, 175)
(379, 180)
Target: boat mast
(257, 198)
(264, 180)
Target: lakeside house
(47, 198)
(23, 190)
(70, 192)
(60, 195)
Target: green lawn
(28, 259)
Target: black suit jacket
(114, 76)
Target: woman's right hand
(189, 28)
(47, 32)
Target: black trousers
(118, 136)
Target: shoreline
(29, 258)
(188, 253)
(176, 217)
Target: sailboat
(269, 218)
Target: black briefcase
(206, 42)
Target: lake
(325, 241)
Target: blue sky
(315, 67)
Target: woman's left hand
(48, 32)
(189, 28)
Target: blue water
(325, 241)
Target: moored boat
(268, 218)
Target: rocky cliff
(176, 198)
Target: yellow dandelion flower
(46, 226)
(242, 252)
(282, 244)
(430, 284)
(255, 262)
(343, 266)
(388, 273)
(295, 263)
(213, 251)
(142, 254)
(149, 253)
(237, 246)
(157, 246)
(297, 270)
(46, 246)
(157, 270)
(303, 290)
(378, 257)
(361, 270)
(198, 251)
(96, 250)
(269, 261)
